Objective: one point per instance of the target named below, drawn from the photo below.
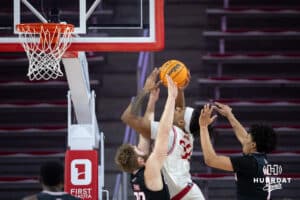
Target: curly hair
(264, 136)
(194, 125)
(126, 158)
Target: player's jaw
(249, 146)
(179, 117)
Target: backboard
(100, 25)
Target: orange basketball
(176, 70)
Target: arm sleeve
(154, 129)
(244, 164)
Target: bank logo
(81, 172)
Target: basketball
(176, 70)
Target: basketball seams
(166, 67)
(181, 73)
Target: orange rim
(37, 27)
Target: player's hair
(52, 173)
(264, 136)
(126, 158)
(194, 125)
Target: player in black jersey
(260, 140)
(52, 181)
(146, 177)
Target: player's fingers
(210, 108)
(220, 105)
(170, 82)
(157, 84)
(214, 118)
(217, 109)
(201, 112)
(206, 107)
(154, 72)
(214, 107)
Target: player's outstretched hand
(172, 88)
(205, 118)
(151, 81)
(223, 109)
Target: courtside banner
(81, 174)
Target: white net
(44, 47)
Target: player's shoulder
(178, 130)
(155, 124)
(175, 130)
(247, 159)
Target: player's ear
(253, 145)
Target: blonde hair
(126, 158)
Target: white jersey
(176, 168)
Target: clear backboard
(100, 25)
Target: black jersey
(141, 192)
(55, 196)
(248, 167)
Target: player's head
(264, 136)
(52, 174)
(187, 119)
(261, 138)
(129, 158)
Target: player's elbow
(125, 117)
(209, 160)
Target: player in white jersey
(176, 169)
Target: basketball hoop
(45, 44)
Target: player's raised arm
(180, 100)
(130, 115)
(209, 154)
(159, 154)
(144, 143)
(150, 110)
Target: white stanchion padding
(77, 75)
(81, 136)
